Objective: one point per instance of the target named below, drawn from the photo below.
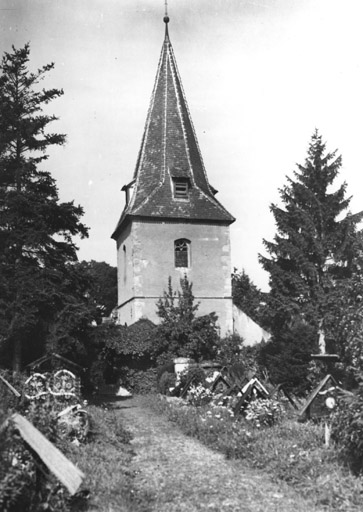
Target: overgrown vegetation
(181, 332)
(347, 429)
(104, 457)
(287, 451)
(247, 296)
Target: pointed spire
(170, 151)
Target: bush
(199, 395)
(196, 373)
(166, 382)
(287, 357)
(264, 412)
(138, 381)
(347, 429)
(167, 367)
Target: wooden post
(327, 429)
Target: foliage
(102, 286)
(105, 459)
(36, 229)
(120, 352)
(288, 451)
(230, 350)
(164, 368)
(287, 357)
(346, 321)
(23, 486)
(199, 395)
(264, 412)
(240, 359)
(194, 373)
(181, 333)
(140, 381)
(315, 246)
(166, 382)
(247, 296)
(347, 428)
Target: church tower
(172, 224)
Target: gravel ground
(179, 474)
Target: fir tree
(36, 230)
(316, 242)
(247, 296)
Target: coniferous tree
(36, 230)
(247, 296)
(316, 245)
(102, 286)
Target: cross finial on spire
(166, 18)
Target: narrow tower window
(182, 253)
(124, 263)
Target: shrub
(264, 412)
(199, 395)
(347, 429)
(166, 382)
(138, 381)
(194, 372)
(287, 357)
(167, 367)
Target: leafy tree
(102, 286)
(181, 333)
(36, 230)
(247, 296)
(316, 244)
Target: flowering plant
(264, 412)
(199, 395)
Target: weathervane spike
(166, 18)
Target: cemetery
(171, 382)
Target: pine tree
(36, 230)
(316, 242)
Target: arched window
(182, 253)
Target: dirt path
(180, 474)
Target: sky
(259, 77)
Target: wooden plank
(66, 472)
(313, 395)
(12, 389)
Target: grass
(289, 451)
(106, 461)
